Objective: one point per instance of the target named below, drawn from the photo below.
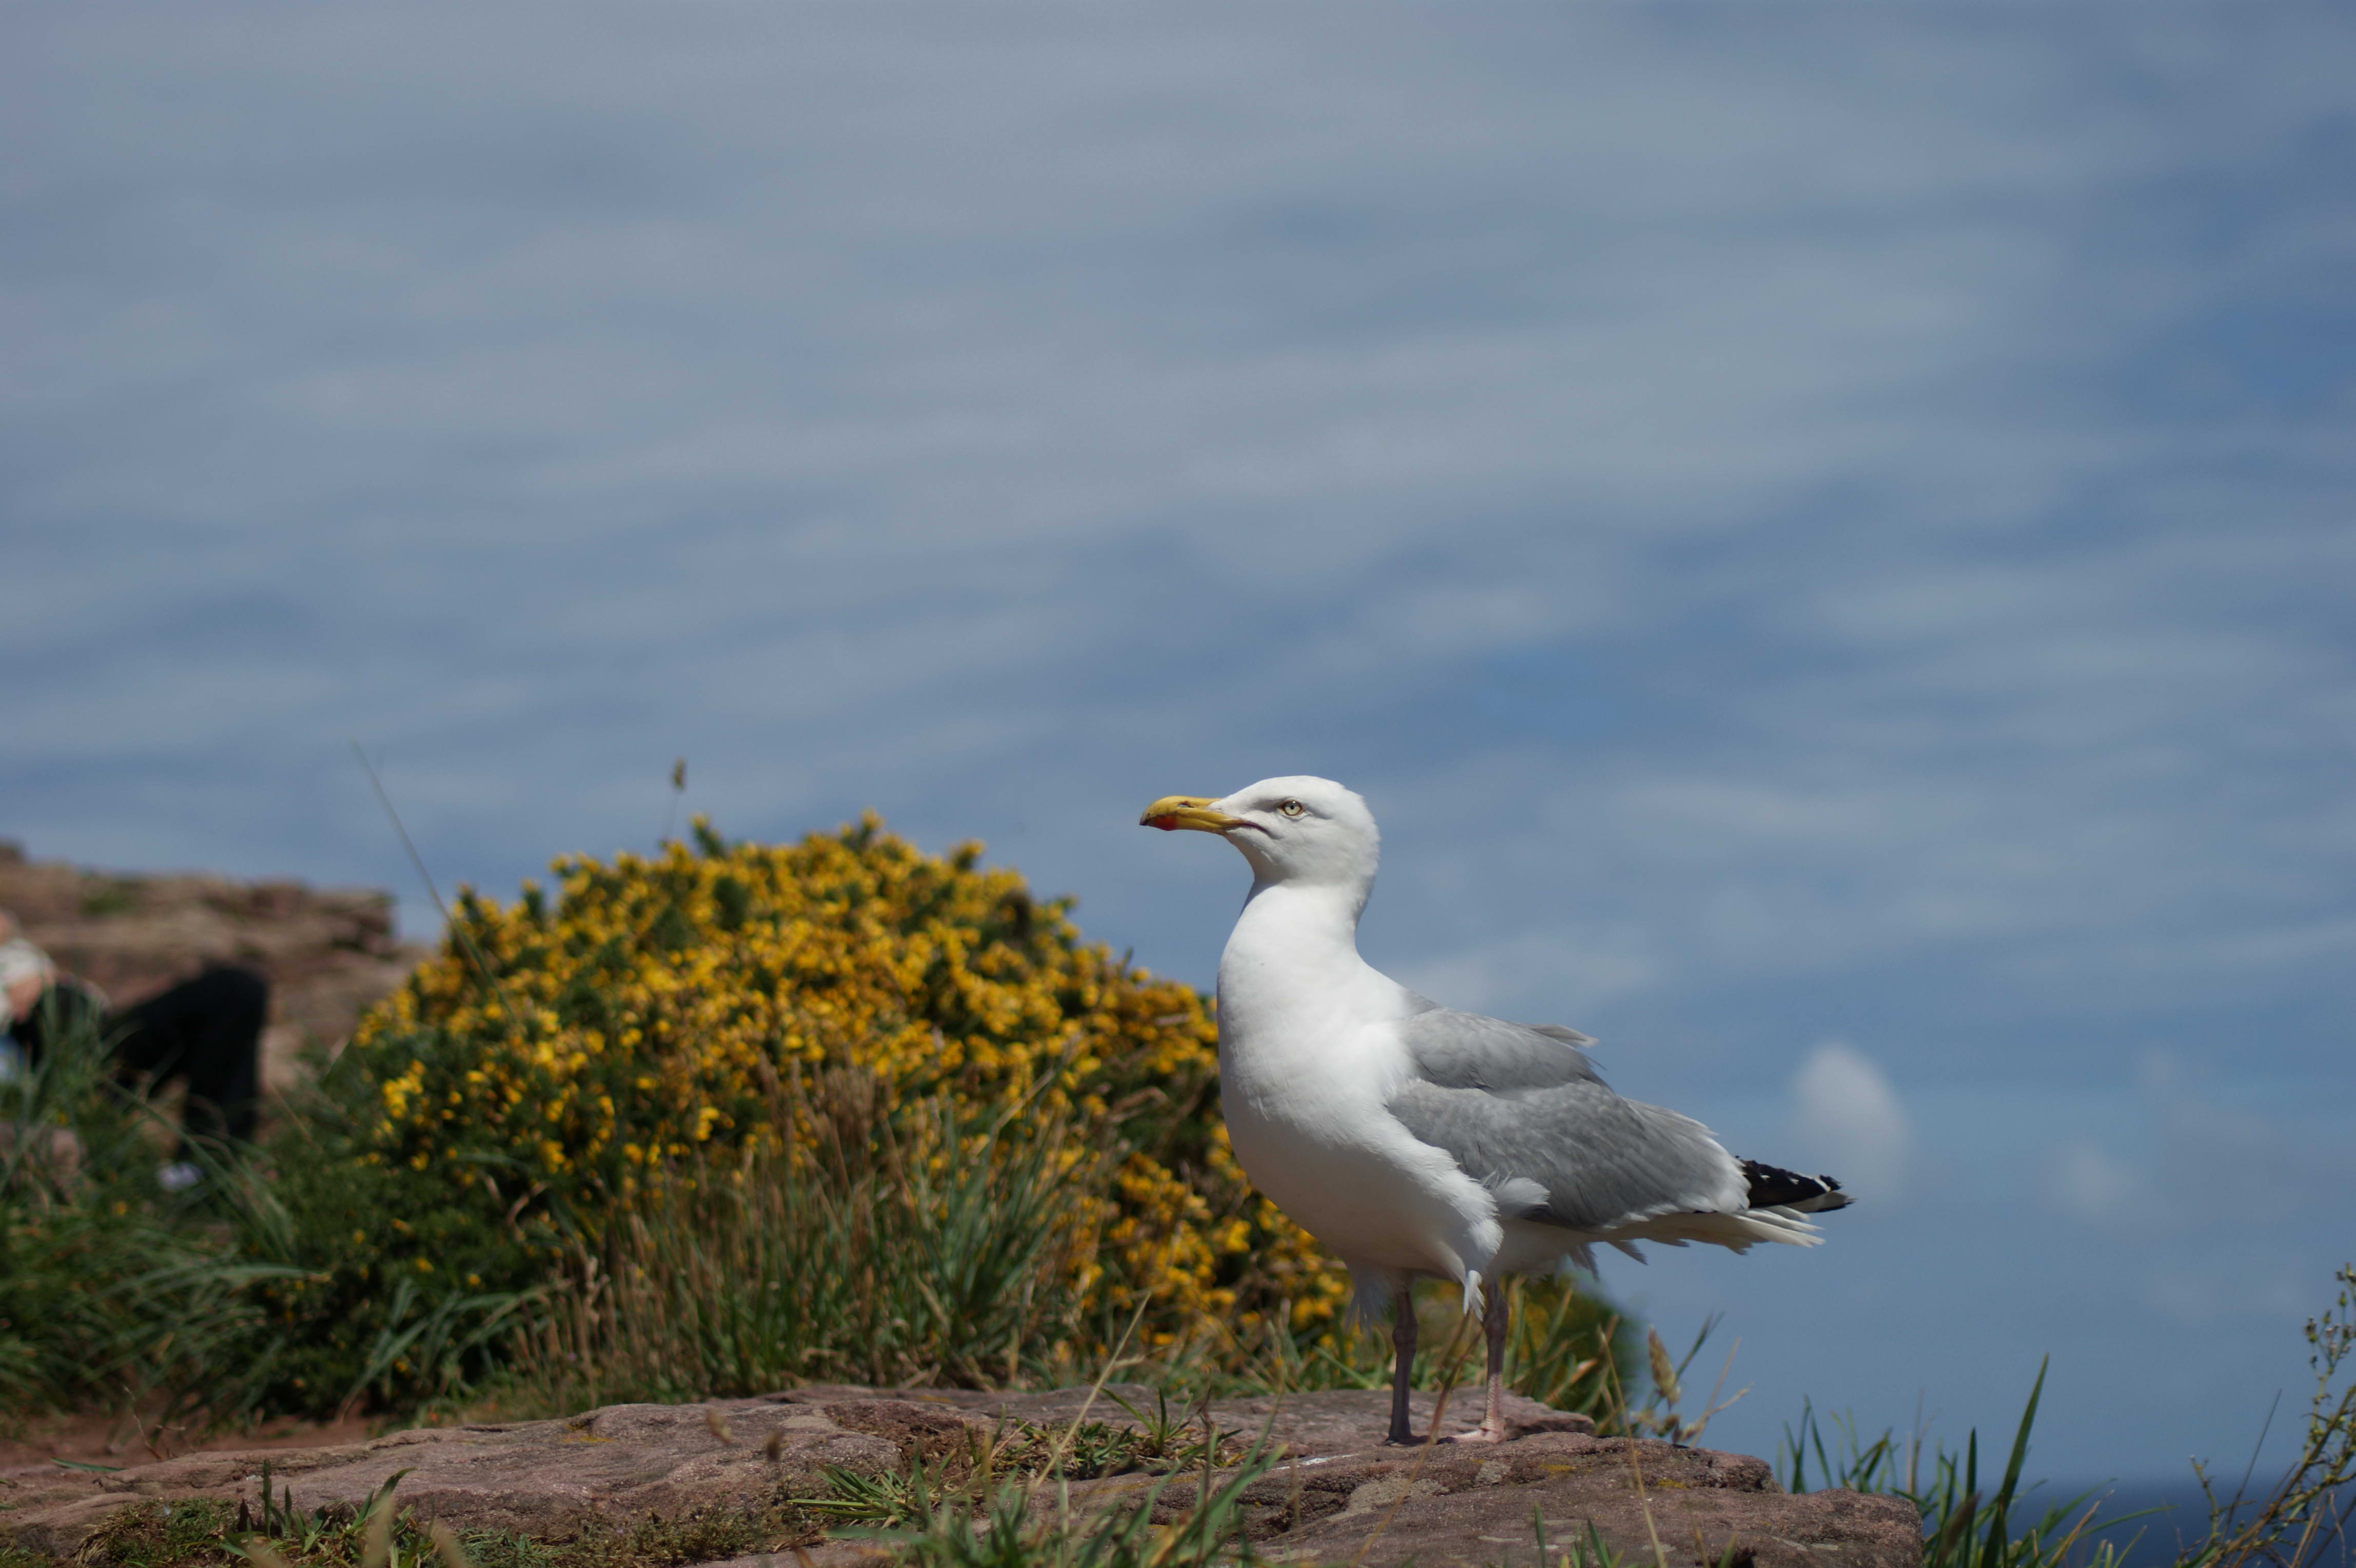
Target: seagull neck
(1301, 907)
(1292, 940)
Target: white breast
(1307, 1059)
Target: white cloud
(2092, 1184)
(1848, 1117)
(2200, 1298)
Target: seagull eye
(1291, 808)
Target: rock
(548, 1479)
(105, 1438)
(1351, 1421)
(1483, 1504)
(1342, 1496)
(1337, 1496)
(1328, 1421)
(328, 953)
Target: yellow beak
(1174, 811)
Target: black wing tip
(1773, 1186)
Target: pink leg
(1492, 1427)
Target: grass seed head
(1665, 1373)
(446, 1547)
(378, 1550)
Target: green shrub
(97, 1309)
(917, 1245)
(565, 1062)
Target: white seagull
(1418, 1141)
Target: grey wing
(1523, 1113)
(1466, 1050)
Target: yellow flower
(641, 1011)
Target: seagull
(1417, 1140)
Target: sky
(1822, 531)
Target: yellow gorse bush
(588, 1046)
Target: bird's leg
(1492, 1427)
(1403, 1366)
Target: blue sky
(1822, 530)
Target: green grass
(1028, 1454)
(912, 1248)
(259, 1293)
(1013, 1532)
(1568, 1347)
(208, 1534)
(97, 1307)
(863, 1261)
(916, 1250)
(1589, 1549)
(1966, 1524)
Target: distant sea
(2156, 1540)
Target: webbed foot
(1485, 1432)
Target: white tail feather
(1737, 1231)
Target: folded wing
(1523, 1112)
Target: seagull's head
(1298, 829)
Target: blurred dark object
(325, 953)
(204, 1032)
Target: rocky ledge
(1336, 1495)
(328, 953)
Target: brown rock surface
(327, 952)
(1483, 1504)
(117, 1439)
(542, 1478)
(1333, 1421)
(1339, 1496)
